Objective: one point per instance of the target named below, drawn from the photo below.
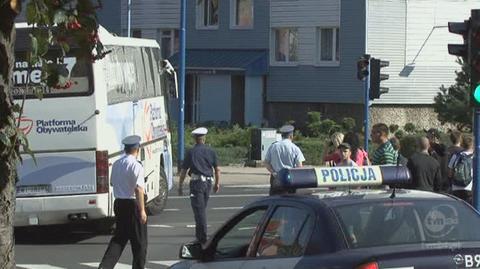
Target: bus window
(119, 76)
(79, 73)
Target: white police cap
(285, 129)
(200, 131)
(132, 141)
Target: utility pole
(181, 97)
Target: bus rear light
(92, 202)
(102, 171)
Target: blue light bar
(298, 178)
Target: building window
(241, 14)
(286, 45)
(207, 14)
(328, 45)
(169, 41)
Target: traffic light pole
(476, 159)
(181, 96)
(366, 86)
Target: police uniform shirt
(284, 154)
(127, 174)
(200, 160)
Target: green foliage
(312, 149)
(410, 127)
(314, 116)
(399, 134)
(451, 104)
(348, 124)
(393, 128)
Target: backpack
(462, 170)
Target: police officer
(199, 163)
(130, 217)
(282, 154)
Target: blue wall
(313, 84)
(224, 37)
(109, 16)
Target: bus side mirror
(170, 76)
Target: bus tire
(157, 204)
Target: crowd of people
(434, 166)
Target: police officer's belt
(200, 177)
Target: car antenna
(393, 193)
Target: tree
(451, 104)
(59, 23)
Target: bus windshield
(27, 80)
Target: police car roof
(336, 198)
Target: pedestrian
(359, 155)
(282, 154)
(424, 168)
(461, 170)
(346, 153)
(384, 154)
(456, 140)
(331, 154)
(401, 160)
(200, 163)
(130, 217)
(438, 151)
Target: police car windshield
(407, 222)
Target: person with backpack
(461, 170)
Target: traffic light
(460, 28)
(376, 77)
(362, 67)
(474, 57)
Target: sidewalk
(238, 175)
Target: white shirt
(451, 165)
(284, 154)
(127, 174)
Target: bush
(231, 143)
(410, 128)
(313, 117)
(327, 126)
(399, 134)
(312, 150)
(348, 124)
(393, 128)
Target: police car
(349, 227)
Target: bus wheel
(157, 204)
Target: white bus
(76, 133)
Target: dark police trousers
(199, 194)
(128, 228)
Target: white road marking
(222, 196)
(193, 226)
(165, 263)
(159, 226)
(38, 266)
(227, 208)
(171, 209)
